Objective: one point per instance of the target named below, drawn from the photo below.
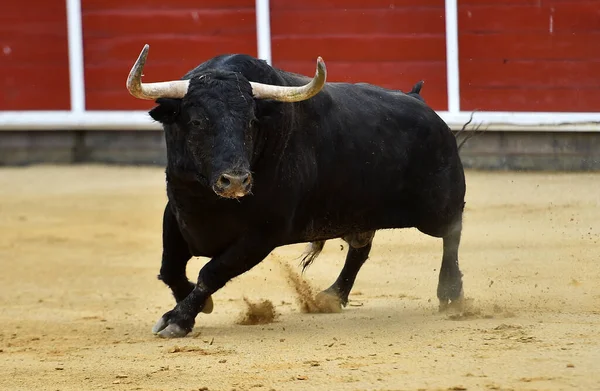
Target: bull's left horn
(292, 94)
(151, 91)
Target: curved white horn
(292, 94)
(151, 91)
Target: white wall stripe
(75, 40)
(140, 120)
(452, 63)
(263, 30)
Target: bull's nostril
(224, 182)
(246, 180)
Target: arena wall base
(536, 151)
(491, 150)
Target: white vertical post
(452, 63)
(263, 30)
(75, 39)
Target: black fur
(354, 159)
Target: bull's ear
(167, 110)
(267, 110)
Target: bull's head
(213, 115)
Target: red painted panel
(522, 56)
(34, 8)
(33, 50)
(191, 22)
(576, 16)
(574, 2)
(30, 98)
(347, 4)
(27, 87)
(488, 19)
(518, 99)
(525, 74)
(499, 3)
(360, 48)
(187, 49)
(34, 64)
(24, 76)
(43, 26)
(102, 5)
(392, 43)
(181, 33)
(560, 18)
(530, 46)
(356, 21)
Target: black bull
(246, 174)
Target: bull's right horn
(151, 91)
(292, 94)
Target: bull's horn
(292, 94)
(178, 88)
(151, 91)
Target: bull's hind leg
(450, 286)
(360, 246)
(175, 257)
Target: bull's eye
(198, 122)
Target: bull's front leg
(175, 257)
(242, 256)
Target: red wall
(181, 35)
(34, 62)
(515, 55)
(393, 43)
(530, 55)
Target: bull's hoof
(455, 304)
(172, 331)
(160, 325)
(449, 290)
(329, 301)
(172, 326)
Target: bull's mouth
(231, 194)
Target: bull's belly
(336, 222)
(208, 236)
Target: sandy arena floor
(80, 250)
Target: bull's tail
(469, 135)
(311, 253)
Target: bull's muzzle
(233, 185)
